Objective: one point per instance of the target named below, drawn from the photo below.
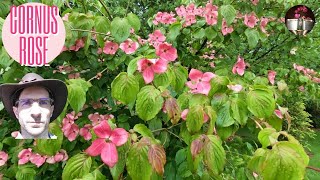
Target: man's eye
(26, 102)
(44, 102)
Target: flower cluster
(299, 11)
(164, 18)
(71, 129)
(200, 82)
(166, 53)
(27, 155)
(78, 44)
(189, 13)
(310, 73)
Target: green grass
(314, 157)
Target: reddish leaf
(157, 158)
(197, 146)
(173, 110)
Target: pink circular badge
(33, 34)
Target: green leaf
(50, 146)
(174, 31)
(95, 175)
(195, 118)
(120, 29)
(76, 97)
(132, 67)
(80, 82)
(125, 88)
(118, 169)
(198, 99)
(149, 102)
(218, 84)
(138, 165)
(163, 79)
(101, 24)
(214, 155)
(224, 118)
(239, 110)
(283, 162)
(268, 136)
(253, 37)
(199, 34)
(210, 33)
(183, 100)
(77, 166)
(229, 13)
(134, 21)
(260, 102)
(181, 75)
(26, 172)
(143, 130)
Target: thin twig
(96, 75)
(174, 135)
(313, 168)
(258, 124)
(106, 8)
(94, 32)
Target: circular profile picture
(33, 34)
(300, 20)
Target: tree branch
(106, 8)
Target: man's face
(34, 110)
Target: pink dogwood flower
(79, 44)
(250, 20)
(156, 38)
(235, 88)
(37, 159)
(72, 132)
(106, 143)
(225, 29)
(271, 76)
(61, 156)
(263, 24)
(239, 67)
(110, 48)
(129, 46)
(149, 67)
(3, 158)
(85, 132)
(166, 51)
(24, 156)
(200, 82)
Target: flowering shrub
(166, 97)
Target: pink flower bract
(250, 20)
(239, 67)
(106, 143)
(167, 52)
(110, 48)
(3, 158)
(129, 46)
(200, 82)
(271, 76)
(150, 66)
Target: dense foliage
(174, 90)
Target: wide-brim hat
(56, 88)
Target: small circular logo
(33, 34)
(300, 20)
